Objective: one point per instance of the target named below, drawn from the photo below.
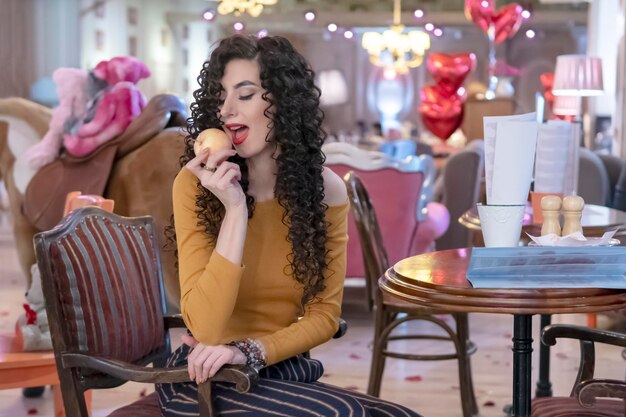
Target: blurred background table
(595, 221)
(19, 369)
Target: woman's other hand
(204, 361)
(219, 176)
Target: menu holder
(548, 267)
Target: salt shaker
(572, 212)
(550, 210)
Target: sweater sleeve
(209, 282)
(321, 316)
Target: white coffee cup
(501, 224)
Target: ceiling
(286, 15)
(428, 5)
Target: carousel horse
(136, 170)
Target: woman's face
(243, 107)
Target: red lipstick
(238, 132)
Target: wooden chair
(102, 283)
(589, 395)
(391, 312)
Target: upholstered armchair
(102, 283)
(590, 396)
(401, 192)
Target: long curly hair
(296, 130)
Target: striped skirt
(286, 389)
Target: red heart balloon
(507, 21)
(480, 12)
(547, 80)
(450, 70)
(440, 114)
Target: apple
(214, 139)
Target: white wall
(604, 18)
(619, 138)
(197, 44)
(113, 28)
(157, 48)
(160, 41)
(57, 40)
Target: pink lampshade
(333, 86)
(566, 105)
(578, 75)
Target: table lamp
(576, 76)
(566, 106)
(333, 86)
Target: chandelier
(394, 49)
(237, 7)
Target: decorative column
(603, 43)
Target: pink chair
(400, 191)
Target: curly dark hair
(296, 130)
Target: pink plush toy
(116, 108)
(71, 84)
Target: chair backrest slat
(368, 229)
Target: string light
(208, 15)
(309, 16)
(253, 7)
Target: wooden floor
(430, 388)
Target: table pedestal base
(522, 356)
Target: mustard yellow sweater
(221, 301)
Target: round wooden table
(437, 280)
(595, 221)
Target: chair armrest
(555, 331)
(343, 328)
(244, 377)
(586, 337)
(588, 391)
(174, 321)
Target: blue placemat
(548, 267)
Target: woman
(261, 231)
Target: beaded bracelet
(252, 350)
